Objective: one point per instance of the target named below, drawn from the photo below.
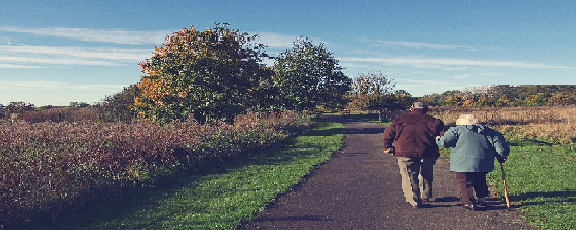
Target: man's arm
(389, 135)
(440, 128)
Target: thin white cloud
(443, 63)
(276, 40)
(15, 66)
(22, 56)
(56, 85)
(420, 45)
(131, 37)
(422, 82)
(354, 65)
(4, 40)
(58, 61)
(462, 76)
(491, 74)
(128, 37)
(81, 52)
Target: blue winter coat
(474, 147)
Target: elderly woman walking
(474, 147)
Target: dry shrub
(53, 167)
(62, 114)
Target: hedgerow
(49, 169)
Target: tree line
(506, 95)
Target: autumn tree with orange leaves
(213, 73)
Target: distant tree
(532, 95)
(399, 100)
(308, 76)
(432, 99)
(503, 100)
(372, 91)
(76, 104)
(506, 95)
(118, 107)
(562, 98)
(538, 99)
(468, 98)
(482, 96)
(448, 97)
(454, 100)
(482, 102)
(566, 88)
(216, 72)
(18, 107)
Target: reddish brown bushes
(47, 166)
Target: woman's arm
(449, 138)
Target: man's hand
(389, 151)
(501, 159)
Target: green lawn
(220, 197)
(541, 182)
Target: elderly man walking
(411, 139)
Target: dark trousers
(468, 182)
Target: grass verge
(540, 181)
(222, 196)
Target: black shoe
(470, 207)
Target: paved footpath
(359, 188)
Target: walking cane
(505, 187)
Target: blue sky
(60, 51)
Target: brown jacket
(413, 135)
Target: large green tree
(308, 76)
(215, 72)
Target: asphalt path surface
(360, 188)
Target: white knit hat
(467, 119)
(418, 105)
